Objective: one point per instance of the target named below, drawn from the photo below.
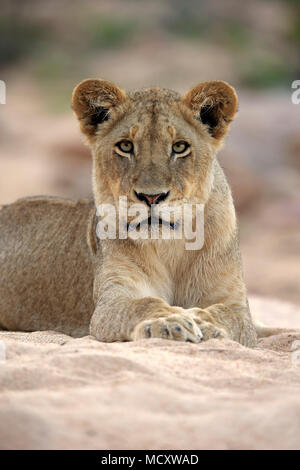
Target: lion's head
(153, 146)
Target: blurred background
(46, 48)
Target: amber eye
(125, 146)
(180, 147)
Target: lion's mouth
(151, 221)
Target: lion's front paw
(178, 327)
(209, 330)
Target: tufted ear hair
(214, 104)
(93, 101)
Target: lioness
(152, 146)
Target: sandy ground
(62, 393)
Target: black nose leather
(150, 199)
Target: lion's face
(153, 146)
(152, 154)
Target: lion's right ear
(213, 103)
(93, 102)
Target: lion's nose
(150, 199)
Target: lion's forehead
(153, 103)
(152, 111)
(152, 96)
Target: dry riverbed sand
(57, 392)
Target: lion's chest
(181, 275)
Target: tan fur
(153, 288)
(46, 265)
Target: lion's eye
(125, 146)
(180, 147)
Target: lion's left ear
(214, 104)
(94, 101)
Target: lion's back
(46, 278)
